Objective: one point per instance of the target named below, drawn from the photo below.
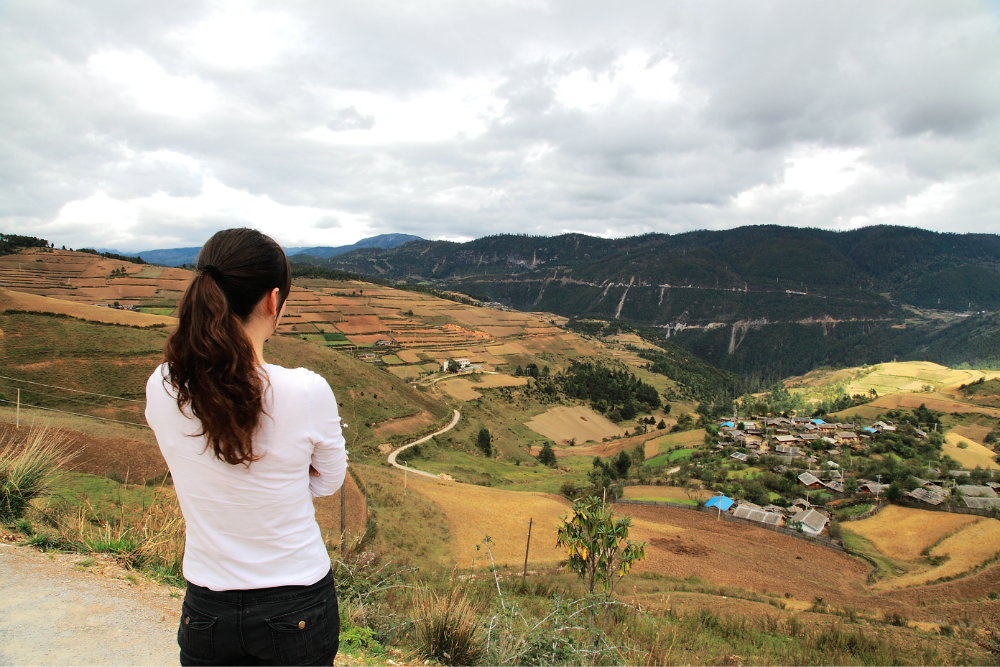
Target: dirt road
(394, 454)
(70, 609)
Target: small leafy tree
(453, 366)
(485, 442)
(547, 456)
(599, 551)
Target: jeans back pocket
(301, 637)
(195, 633)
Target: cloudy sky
(135, 125)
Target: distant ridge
(383, 241)
(178, 256)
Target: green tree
(599, 551)
(547, 456)
(453, 366)
(485, 442)
(518, 372)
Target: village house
(754, 513)
(810, 481)
(811, 521)
(867, 487)
(847, 438)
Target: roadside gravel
(72, 609)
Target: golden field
(903, 533)
(972, 455)
(970, 547)
(562, 424)
(475, 512)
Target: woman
(248, 445)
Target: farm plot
(460, 388)
(561, 424)
(406, 372)
(684, 543)
(42, 304)
(973, 432)
(670, 493)
(361, 324)
(681, 440)
(972, 455)
(903, 533)
(970, 547)
(475, 512)
(932, 401)
(502, 332)
(409, 356)
(465, 390)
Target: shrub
(547, 456)
(447, 628)
(28, 470)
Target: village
(825, 463)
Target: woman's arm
(329, 459)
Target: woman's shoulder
(297, 377)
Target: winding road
(392, 456)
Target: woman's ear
(274, 304)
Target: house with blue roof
(722, 503)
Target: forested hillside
(768, 299)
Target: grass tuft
(29, 469)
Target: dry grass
(404, 425)
(933, 401)
(409, 356)
(681, 440)
(474, 512)
(43, 304)
(974, 454)
(903, 533)
(665, 492)
(562, 423)
(973, 432)
(970, 547)
(465, 390)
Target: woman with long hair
(248, 444)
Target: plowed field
(685, 543)
(561, 424)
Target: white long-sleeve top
(254, 526)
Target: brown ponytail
(211, 361)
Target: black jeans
(283, 625)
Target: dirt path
(55, 611)
(392, 456)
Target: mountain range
(781, 299)
(180, 256)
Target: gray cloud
(118, 100)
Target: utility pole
(524, 576)
(879, 489)
(18, 422)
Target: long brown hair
(211, 361)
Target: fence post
(524, 577)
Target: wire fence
(42, 396)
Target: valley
(622, 412)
